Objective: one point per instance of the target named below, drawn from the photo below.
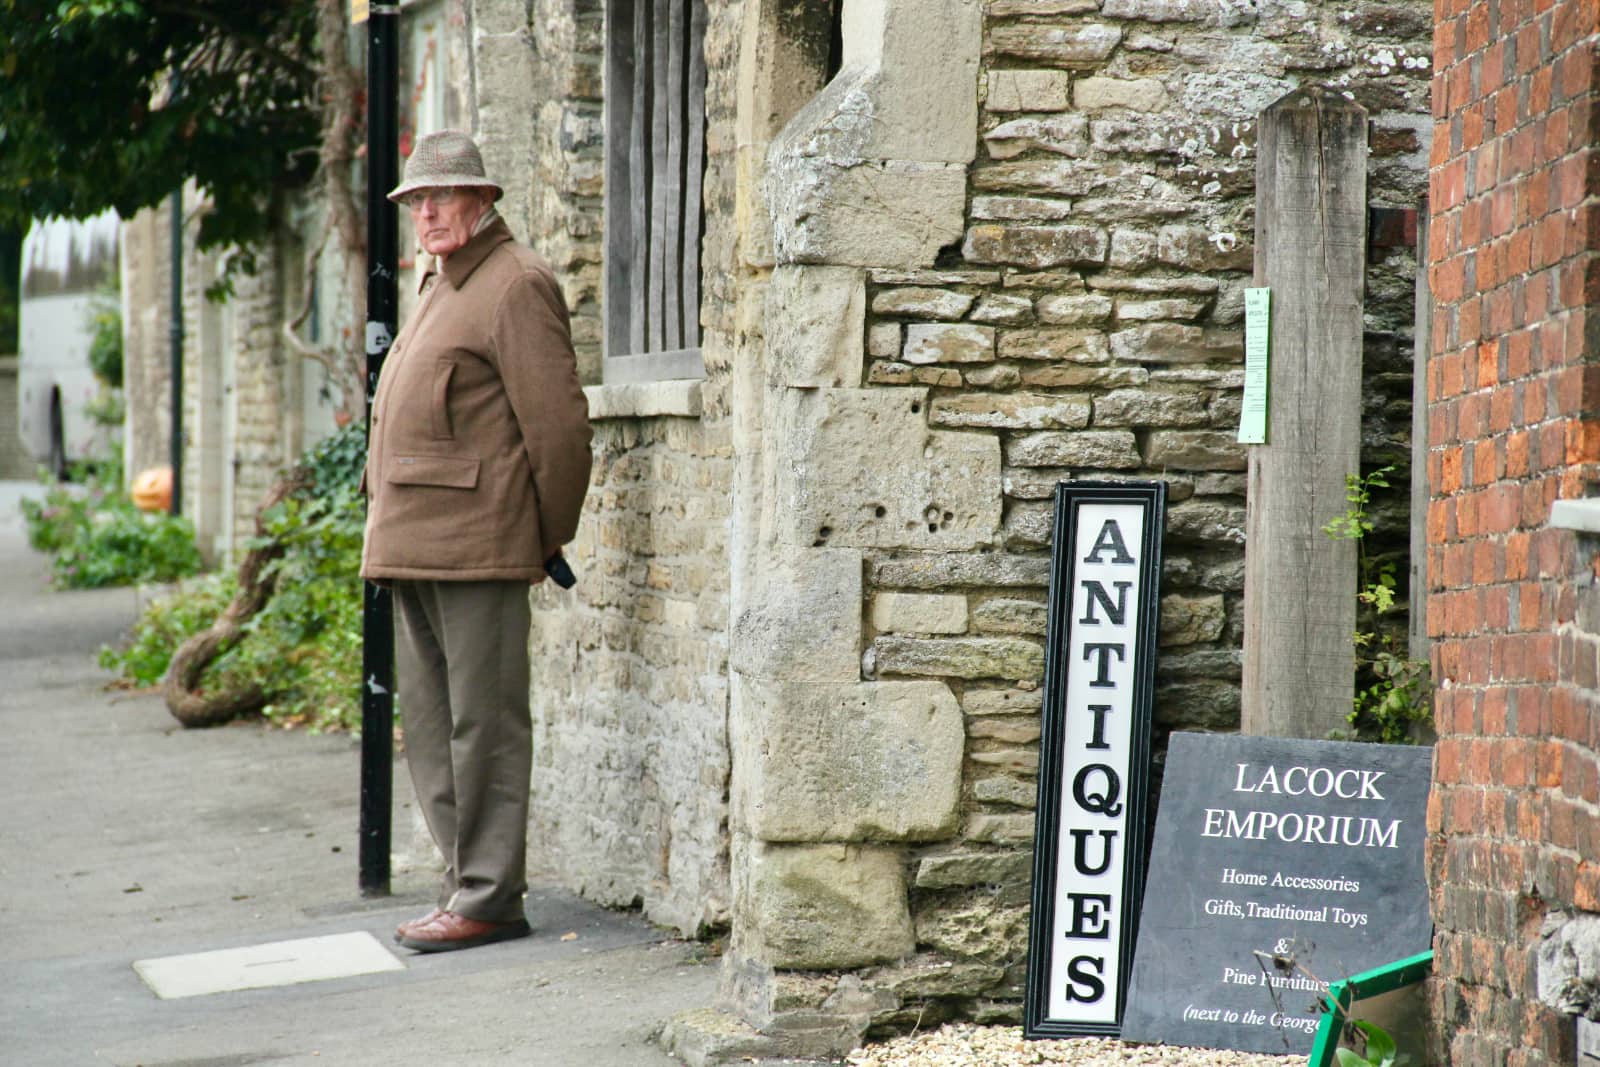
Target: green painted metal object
(1342, 997)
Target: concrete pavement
(124, 837)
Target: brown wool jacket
(479, 455)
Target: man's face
(443, 217)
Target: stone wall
(528, 87)
(268, 420)
(1514, 863)
(569, 151)
(15, 463)
(933, 359)
(920, 312)
(250, 405)
(630, 680)
(207, 406)
(630, 689)
(146, 338)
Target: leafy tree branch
(92, 115)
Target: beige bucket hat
(445, 157)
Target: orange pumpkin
(152, 489)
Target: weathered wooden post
(1311, 238)
(1422, 345)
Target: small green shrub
(53, 522)
(97, 537)
(1393, 694)
(303, 648)
(165, 624)
(106, 408)
(121, 545)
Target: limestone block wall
(797, 687)
(569, 151)
(205, 497)
(146, 265)
(933, 364)
(526, 81)
(255, 413)
(15, 463)
(268, 435)
(631, 677)
(250, 404)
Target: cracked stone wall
(935, 361)
(630, 679)
(1004, 246)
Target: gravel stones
(1003, 1046)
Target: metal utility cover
(310, 959)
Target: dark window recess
(835, 39)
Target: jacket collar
(459, 265)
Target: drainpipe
(175, 330)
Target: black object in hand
(560, 573)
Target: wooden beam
(639, 160)
(694, 176)
(660, 180)
(1300, 585)
(617, 299)
(672, 177)
(1422, 334)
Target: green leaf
(1380, 1046)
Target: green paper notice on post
(1257, 331)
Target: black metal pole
(175, 334)
(377, 659)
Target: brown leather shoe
(406, 927)
(448, 931)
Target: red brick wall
(1514, 424)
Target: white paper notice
(1257, 331)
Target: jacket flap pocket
(451, 471)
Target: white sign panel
(1094, 755)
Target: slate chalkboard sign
(1275, 847)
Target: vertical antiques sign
(1094, 755)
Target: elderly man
(476, 472)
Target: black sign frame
(1079, 506)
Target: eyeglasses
(437, 197)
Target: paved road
(124, 837)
